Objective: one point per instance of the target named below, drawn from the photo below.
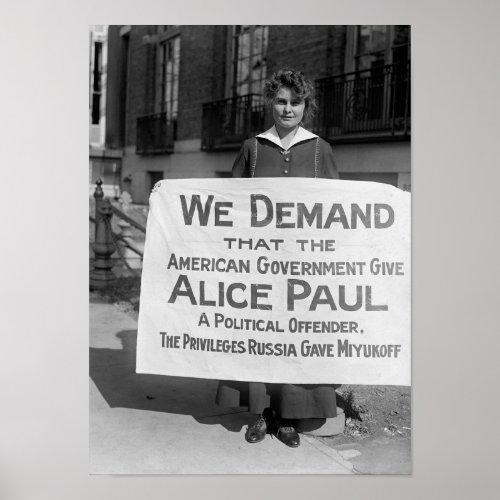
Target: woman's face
(288, 109)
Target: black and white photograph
(249, 260)
(250, 274)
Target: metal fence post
(102, 275)
(128, 254)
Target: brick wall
(318, 51)
(299, 47)
(219, 73)
(202, 75)
(140, 78)
(336, 49)
(114, 136)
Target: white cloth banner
(277, 280)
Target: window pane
(177, 47)
(245, 45)
(401, 35)
(379, 38)
(257, 74)
(265, 34)
(243, 70)
(169, 70)
(169, 76)
(168, 90)
(96, 112)
(257, 41)
(372, 38)
(175, 90)
(371, 46)
(243, 89)
(401, 44)
(163, 53)
(249, 50)
(97, 65)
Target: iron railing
(155, 134)
(372, 103)
(228, 122)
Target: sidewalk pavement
(152, 424)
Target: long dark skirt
(289, 401)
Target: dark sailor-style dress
(263, 156)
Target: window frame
(97, 81)
(352, 40)
(168, 78)
(235, 59)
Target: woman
(285, 150)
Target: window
(371, 47)
(249, 47)
(170, 51)
(374, 46)
(381, 57)
(401, 44)
(96, 83)
(372, 97)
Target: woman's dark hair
(296, 81)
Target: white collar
(301, 135)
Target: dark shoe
(287, 434)
(257, 431)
